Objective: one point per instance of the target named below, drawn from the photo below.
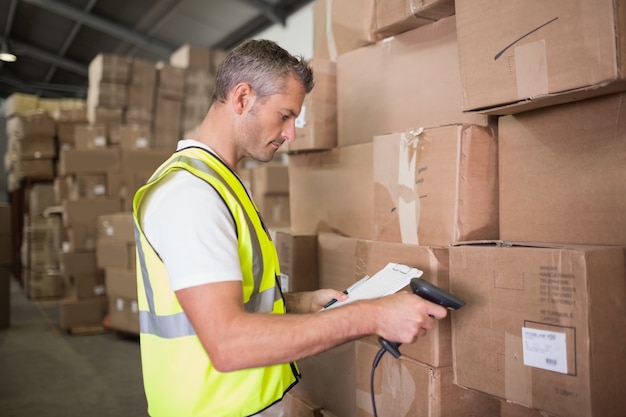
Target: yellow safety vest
(179, 379)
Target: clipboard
(391, 279)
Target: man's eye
(285, 117)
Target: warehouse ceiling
(55, 40)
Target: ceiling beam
(105, 26)
(40, 54)
(274, 13)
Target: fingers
(437, 311)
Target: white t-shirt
(192, 230)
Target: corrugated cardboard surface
(397, 16)
(408, 388)
(343, 261)
(408, 81)
(297, 254)
(436, 186)
(527, 54)
(340, 26)
(328, 380)
(577, 293)
(316, 126)
(562, 176)
(332, 190)
(119, 226)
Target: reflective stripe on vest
(178, 325)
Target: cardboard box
(121, 282)
(408, 388)
(142, 72)
(147, 160)
(115, 253)
(343, 261)
(90, 136)
(124, 314)
(170, 82)
(295, 405)
(83, 278)
(84, 286)
(80, 237)
(107, 95)
(119, 226)
(274, 210)
(272, 178)
(191, 56)
(297, 254)
(332, 191)
(561, 173)
(38, 168)
(86, 211)
(140, 104)
(436, 186)
(42, 284)
(109, 68)
(508, 409)
(341, 26)
(410, 80)
(398, 16)
(88, 161)
(28, 124)
(543, 327)
(520, 55)
(135, 136)
(34, 146)
(82, 186)
(329, 380)
(316, 126)
(77, 313)
(18, 103)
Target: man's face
(271, 122)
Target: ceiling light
(5, 55)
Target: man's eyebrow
(292, 112)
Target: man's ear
(242, 98)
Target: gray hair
(262, 64)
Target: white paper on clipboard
(391, 279)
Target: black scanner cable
(429, 292)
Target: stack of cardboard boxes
(458, 152)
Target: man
(217, 338)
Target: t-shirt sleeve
(192, 230)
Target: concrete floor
(46, 372)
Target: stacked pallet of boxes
(115, 249)
(545, 324)
(31, 146)
(30, 160)
(6, 249)
(41, 241)
(200, 65)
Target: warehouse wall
(297, 35)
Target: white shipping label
(545, 350)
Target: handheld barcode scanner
(429, 292)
